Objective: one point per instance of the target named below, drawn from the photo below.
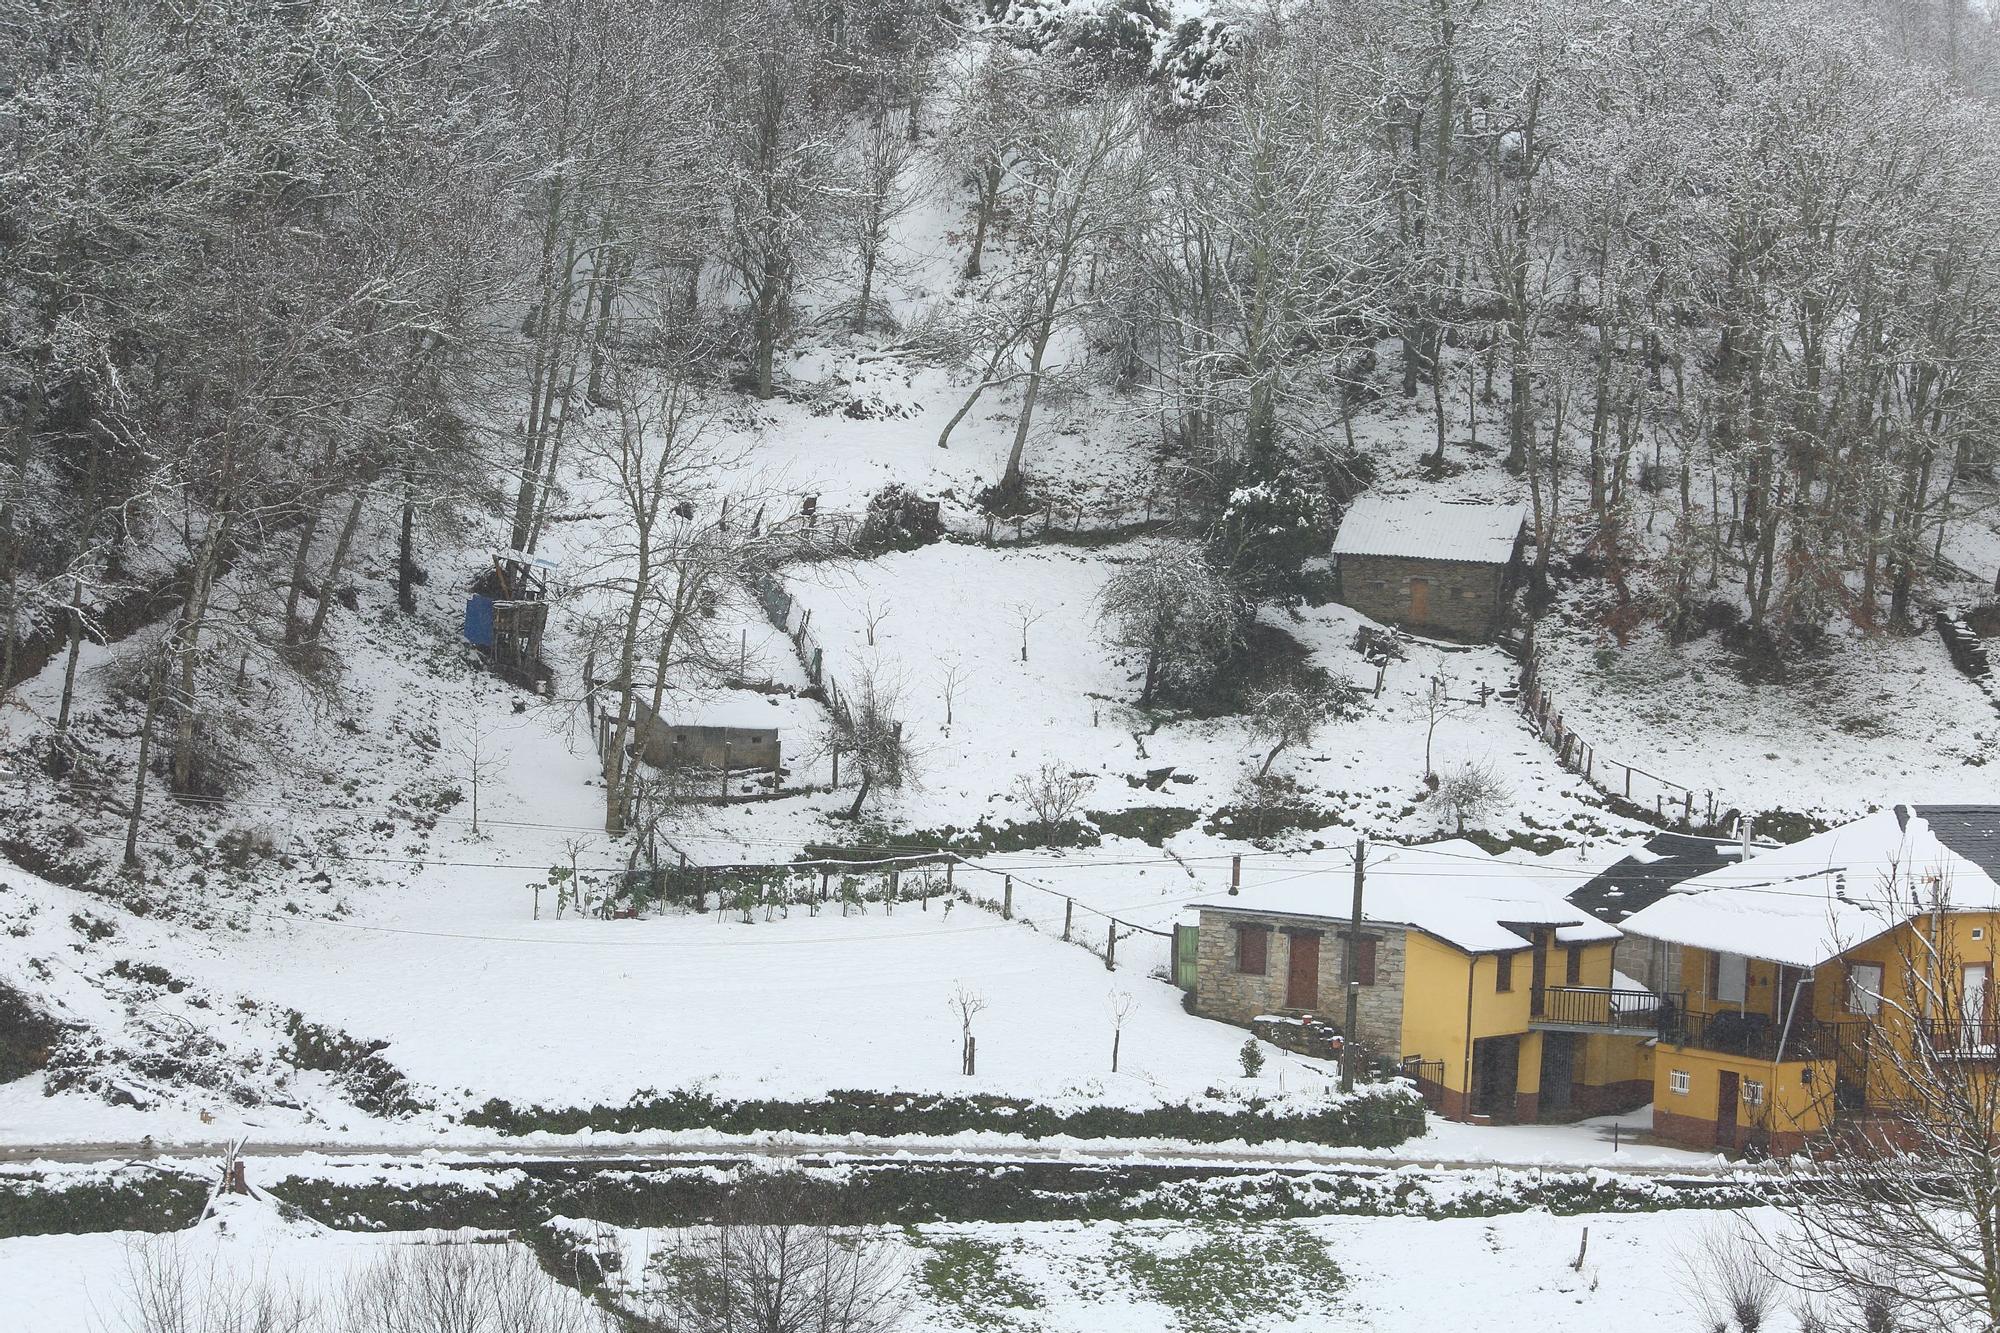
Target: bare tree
(1291, 712)
(877, 163)
(775, 1263)
(872, 615)
(951, 679)
(1054, 793)
(1122, 1005)
(1727, 1282)
(1433, 705)
(1026, 616)
(1175, 607)
(866, 725)
(1471, 790)
(967, 1004)
(1894, 1218)
(479, 764)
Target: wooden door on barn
(1420, 599)
(1302, 971)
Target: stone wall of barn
(1224, 993)
(1464, 598)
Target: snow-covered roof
(744, 710)
(1450, 890)
(1810, 902)
(1424, 527)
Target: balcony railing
(1605, 1007)
(1760, 1036)
(1971, 1038)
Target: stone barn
(1434, 566)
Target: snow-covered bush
(898, 519)
(1193, 58)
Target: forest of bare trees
(284, 286)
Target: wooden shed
(1436, 566)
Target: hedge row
(1383, 1119)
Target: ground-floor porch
(1539, 1077)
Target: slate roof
(1814, 900)
(1973, 831)
(1423, 527)
(1649, 873)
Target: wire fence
(1671, 801)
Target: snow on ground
(212, 1273)
(1875, 720)
(1386, 1275)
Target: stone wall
(1464, 598)
(1224, 993)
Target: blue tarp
(479, 621)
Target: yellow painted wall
(1434, 1005)
(1609, 1058)
(1921, 962)
(1793, 1104)
(1439, 1015)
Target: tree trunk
(157, 684)
(334, 566)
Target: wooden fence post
(895, 888)
(1628, 782)
(1007, 898)
(1111, 948)
(1069, 910)
(947, 877)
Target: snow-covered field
(1399, 1275)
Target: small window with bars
(1677, 1082)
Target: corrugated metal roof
(1424, 527)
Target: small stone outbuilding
(1434, 566)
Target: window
(1573, 966)
(1364, 959)
(1253, 947)
(1677, 1082)
(1753, 1092)
(1732, 973)
(1979, 932)
(1864, 989)
(1503, 973)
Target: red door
(1727, 1090)
(1302, 972)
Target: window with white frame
(1864, 988)
(1677, 1082)
(1732, 975)
(1753, 1092)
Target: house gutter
(1471, 973)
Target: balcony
(1603, 1009)
(1761, 1037)
(1964, 1039)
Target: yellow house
(1497, 995)
(1820, 978)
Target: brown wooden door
(1420, 599)
(1727, 1091)
(1302, 972)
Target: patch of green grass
(970, 1283)
(1234, 1277)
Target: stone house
(1435, 566)
(1492, 991)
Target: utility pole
(1347, 971)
